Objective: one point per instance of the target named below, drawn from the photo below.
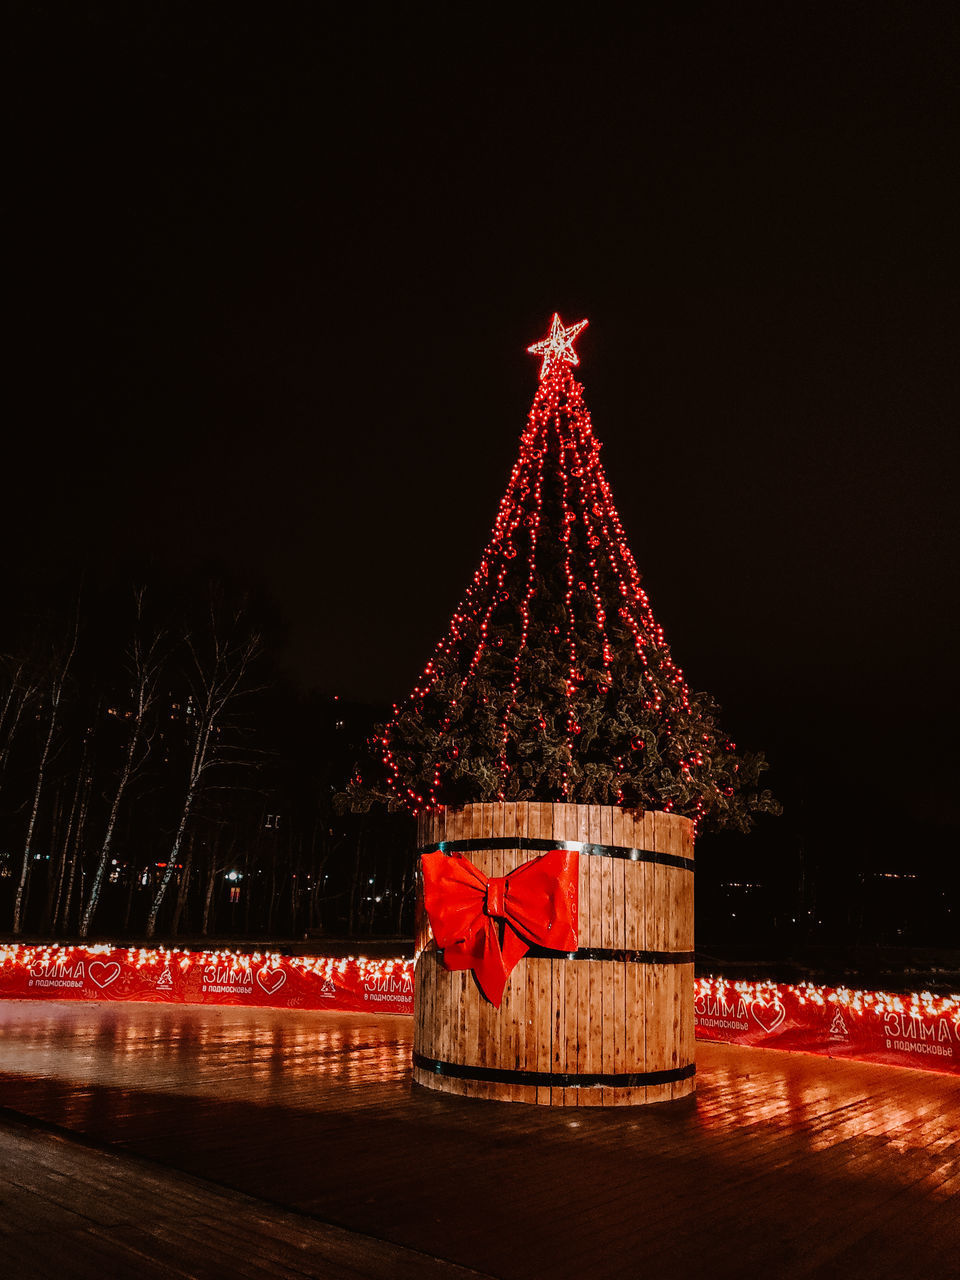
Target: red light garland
(104, 972)
(557, 535)
(917, 1029)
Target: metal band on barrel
(536, 845)
(615, 954)
(554, 1079)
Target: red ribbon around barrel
(535, 905)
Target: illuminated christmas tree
(554, 680)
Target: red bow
(537, 904)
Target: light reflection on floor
(307, 1059)
(821, 1105)
(836, 1164)
(198, 1051)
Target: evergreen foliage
(554, 680)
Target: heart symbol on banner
(769, 1016)
(271, 979)
(103, 974)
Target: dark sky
(273, 270)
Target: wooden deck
(783, 1165)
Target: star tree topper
(558, 347)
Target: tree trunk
(404, 890)
(208, 899)
(247, 895)
(128, 907)
(20, 902)
(126, 774)
(57, 681)
(295, 877)
(273, 892)
(77, 855)
(54, 863)
(352, 917)
(183, 889)
(172, 858)
(13, 707)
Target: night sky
(273, 271)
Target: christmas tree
(554, 680)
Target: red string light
(557, 536)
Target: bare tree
(145, 664)
(70, 845)
(20, 692)
(220, 667)
(183, 887)
(216, 864)
(56, 683)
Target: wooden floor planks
(75, 1211)
(781, 1165)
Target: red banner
(209, 977)
(919, 1030)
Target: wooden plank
(610, 868)
(582, 1027)
(660, 978)
(470, 825)
(569, 816)
(558, 1026)
(593, 1097)
(498, 826)
(421, 1004)
(687, 1028)
(606, 866)
(446, 983)
(429, 1033)
(620, 1096)
(658, 1024)
(544, 1026)
(459, 986)
(470, 994)
(563, 972)
(509, 1015)
(647, 832)
(586, 826)
(428, 1043)
(681, 939)
(658, 902)
(635, 939)
(533, 1034)
(485, 1013)
(575, 829)
(463, 982)
(637, 1041)
(538, 1056)
(653, 941)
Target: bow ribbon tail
(484, 955)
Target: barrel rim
(544, 845)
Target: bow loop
(537, 904)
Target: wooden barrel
(610, 1025)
